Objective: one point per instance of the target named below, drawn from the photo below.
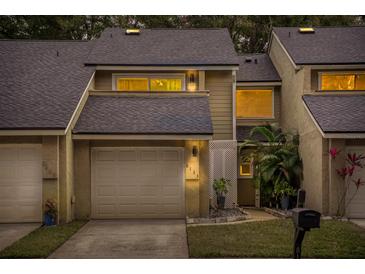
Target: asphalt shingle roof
(338, 113)
(258, 69)
(243, 133)
(164, 47)
(39, 89)
(145, 115)
(328, 45)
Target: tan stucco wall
(65, 178)
(82, 177)
(196, 191)
(50, 169)
(313, 148)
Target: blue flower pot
(49, 220)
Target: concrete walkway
(255, 214)
(127, 239)
(10, 233)
(359, 222)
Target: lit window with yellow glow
(246, 169)
(132, 84)
(342, 81)
(159, 84)
(150, 82)
(254, 103)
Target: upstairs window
(132, 84)
(342, 81)
(254, 103)
(149, 82)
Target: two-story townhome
(138, 123)
(130, 125)
(323, 98)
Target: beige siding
(313, 148)
(219, 84)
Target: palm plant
(277, 164)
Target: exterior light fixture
(191, 81)
(195, 151)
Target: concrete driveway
(127, 239)
(10, 233)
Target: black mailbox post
(303, 219)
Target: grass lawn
(274, 239)
(41, 242)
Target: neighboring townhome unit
(323, 98)
(257, 103)
(135, 124)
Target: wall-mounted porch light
(195, 151)
(192, 85)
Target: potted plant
(220, 187)
(50, 213)
(283, 191)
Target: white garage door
(20, 183)
(137, 183)
(356, 198)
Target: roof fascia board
(30, 132)
(258, 84)
(334, 66)
(286, 52)
(76, 114)
(139, 137)
(344, 135)
(313, 119)
(172, 68)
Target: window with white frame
(149, 82)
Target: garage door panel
(7, 174)
(20, 183)
(105, 155)
(8, 154)
(128, 190)
(29, 154)
(148, 155)
(171, 170)
(28, 172)
(127, 169)
(108, 191)
(169, 155)
(127, 155)
(146, 179)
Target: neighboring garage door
(138, 182)
(356, 199)
(20, 183)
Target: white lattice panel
(223, 164)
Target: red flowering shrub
(354, 162)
